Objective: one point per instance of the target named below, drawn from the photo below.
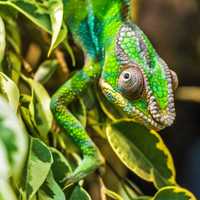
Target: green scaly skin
(112, 44)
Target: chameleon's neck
(112, 23)
(94, 23)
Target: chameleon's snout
(164, 119)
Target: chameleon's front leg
(92, 158)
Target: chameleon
(121, 61)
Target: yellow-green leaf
(56, 16)
(6, 192)
(32, 10)
(113, 195)
(14, 139)
(48, 15)
(142, 151)
(4, 167)
(45, 71)
(79, 194)
(50, 190)
(12, 28)
(60, 167)
(38, 167)
(9, 90)
(173, 193)
(2, 39)
(143, 198)
(39, 108)
(25, 101)
(15, 65)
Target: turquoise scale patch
(89, 32)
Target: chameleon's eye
(131, 82)
(174, 80)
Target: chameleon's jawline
(130, 111)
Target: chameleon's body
(121, 60)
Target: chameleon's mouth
(154, 120)
(163, 118)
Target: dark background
(173, 26)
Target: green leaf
(142, 151)
(62, 38)
(45, 71)
(10, 91)
(7, 12)
(56, 16)
(12, 28)
(50, 190)
(13, 137)
(60, 167)
(38, 167)
(25, 101)
(15, 64)
(173, 193)
(40, 112)
(6, 192)
(4, 167)
(33, 10)
(2, 39)
(79, 194)
(48, 15)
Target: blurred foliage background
(174, 28)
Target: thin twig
(188, 93)
(61, 60)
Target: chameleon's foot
(88, 165)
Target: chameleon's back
(87, 19)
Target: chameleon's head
(137, 81)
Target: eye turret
(131, 82)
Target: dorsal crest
(88, 20)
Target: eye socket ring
(131, 82)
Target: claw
(88, 165)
